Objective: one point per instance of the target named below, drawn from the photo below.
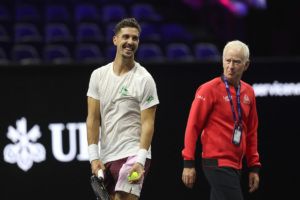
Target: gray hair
(239, 45)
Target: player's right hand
(96, 165)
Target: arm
(190, 139)
(147, 121)
(93, 124)
(251, 151)
(199, 113)
(93, 121)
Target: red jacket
(211, 116)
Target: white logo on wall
(25, 150)
(276, 89)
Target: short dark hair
(127, 22)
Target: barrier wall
(42, 130)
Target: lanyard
(239, 108)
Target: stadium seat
(109, 32)
(25, 54)
(89, 32)
(5, 14)
(4, 36)
(57, 33)
(150, 52)
(113, 13)
(145, 12)
(27, 13)
(110, 52)
(179, 52)
(27, 33)
(150, 33)
(87, 13)
(88, 53)
(57, 54)
(207, 51)
(3, 57)
(172, 32)
(57, 13)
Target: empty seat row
(78, 13)
(92, 32)
(92, 53)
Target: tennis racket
(99, 187)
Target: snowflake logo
(25, 150)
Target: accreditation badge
(237, 134)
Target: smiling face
(235, 63)
(126, 41)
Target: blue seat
(5, 14)
(109, 32)
(87, 13)
(4, 36)
(150, 33)
(27, 13)
(207, 51)
(25, 54)
(150, 53)
(27, 33)
(145, 12)
(3, 57)
(172, 32)
(88, 53)
(57, 13)
(179, 52)
(57, 33)
(57, 54)
(113, 13)
(89, 32)
(110, 52)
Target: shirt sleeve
(149, 95)
(93, 90)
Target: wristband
(93, 152)
(141, 156)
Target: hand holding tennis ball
(133, 176)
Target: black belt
(210, 162)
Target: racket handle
(100, 174)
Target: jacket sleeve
(252, 155)
(199, 112)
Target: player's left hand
(253, 181)
(137, 167)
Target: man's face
(234, 64)
(126, 41)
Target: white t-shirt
(122, 98)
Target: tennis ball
(133, 176)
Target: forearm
(147, 130)
(146, 135)
(93, 125)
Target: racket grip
(100, 174)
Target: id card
(237, 134)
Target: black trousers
(225, 182)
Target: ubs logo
(25, 150)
